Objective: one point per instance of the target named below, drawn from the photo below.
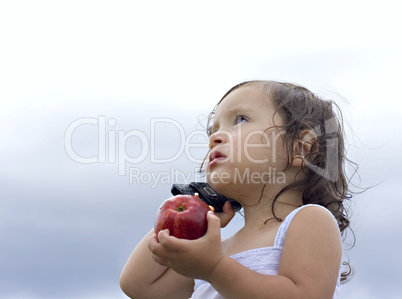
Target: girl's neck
(262, 214)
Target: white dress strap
(280, 235)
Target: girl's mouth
(215, 156)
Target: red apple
(184, 215)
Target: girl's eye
(240, 119)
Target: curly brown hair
(326, 183)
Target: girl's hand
(227, 214)
(191, 258)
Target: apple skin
(185, 216)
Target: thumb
(214, 223)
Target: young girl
(278, 150)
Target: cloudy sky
(99, 97)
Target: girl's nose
(217, 138)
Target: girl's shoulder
(311, 211)
(311, 221)
(312, 249)
(306, 219)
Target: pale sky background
(67, 228)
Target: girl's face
(246, 144)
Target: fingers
(214, 224)
(158, 252)
(228, 214)
(163, 235)
(163, 242)
(161, 261)
(167, 249)
(228, 209)
(153, 243)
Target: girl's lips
(215, 156)
(215, 161)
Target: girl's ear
(302, 147)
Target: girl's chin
(221, 184)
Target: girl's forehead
(245, 98)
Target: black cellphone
(206, 193)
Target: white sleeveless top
(262, 260)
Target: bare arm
(142, 277)
(308, 269)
